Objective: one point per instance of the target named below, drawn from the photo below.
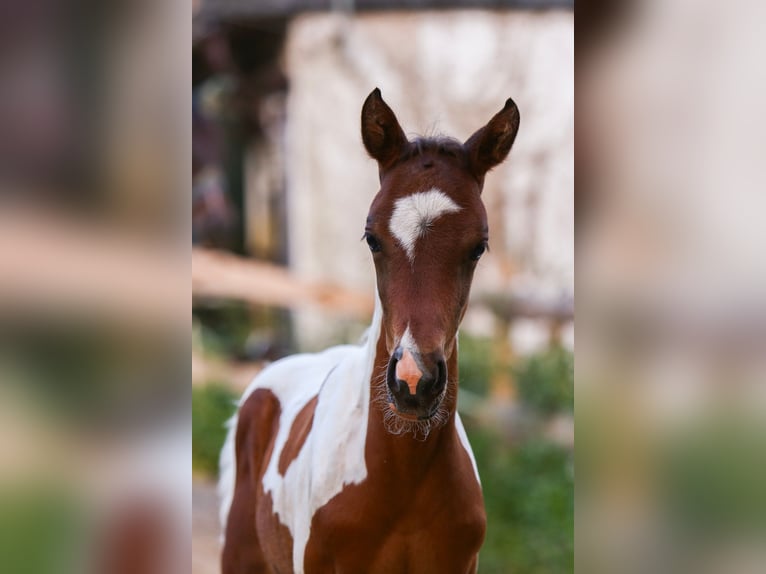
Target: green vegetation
(475, 363)
(712, 475)
(212, 406)
(42, 529)
(528, 485)
(529, 497)
(546, 381)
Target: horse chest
(382, 526)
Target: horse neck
(406, 452)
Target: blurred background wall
(670, 292)
(94, 289)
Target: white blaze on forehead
(414, 214)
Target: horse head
(426, 229)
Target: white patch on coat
(333, 454)
(461, 429)
(466, 445)
(413, 216)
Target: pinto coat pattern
(355, 459)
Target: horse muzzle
(416, 383)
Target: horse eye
(373, 243)
(478, 251)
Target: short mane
(439, 145)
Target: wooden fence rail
(221, 275)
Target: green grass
(212, 406)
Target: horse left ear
(490, 145)
(381, 133)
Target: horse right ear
(381, 133)
(490, 145)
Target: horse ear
(381, 133)
(490, 145)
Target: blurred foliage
(87, 375)
(529, 497)
(224, 326)
(41, 531)
(475, 363)
(712, 477)
(242, 331)
(212, 406)
(545, 381)
(528, 487)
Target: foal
(354, 460)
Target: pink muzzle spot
(407, 370)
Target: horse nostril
(391, 380)
(401, 387)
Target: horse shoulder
(306, 465)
